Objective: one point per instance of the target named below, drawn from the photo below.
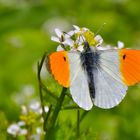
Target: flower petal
(99, 39)
(58, 32)
(68, 42)
(56, 39)
(13, 129)
(120, 44)
(85, 29)
(46, 109)
(80, 40)
(71, 33)
(34, 105)
(59, 48)
(76, 27)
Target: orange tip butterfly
(96, 77)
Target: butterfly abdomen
(88, 64)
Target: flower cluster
(16, 129)
(74, 39)
(30, 123)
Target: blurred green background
(25, 30)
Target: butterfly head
(86, 46)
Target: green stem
(79, 120)
(83, 115)
(49, 135)
(58, 106)
(40, 88)
(47, 117)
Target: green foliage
(25, 30)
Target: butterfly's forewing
(109, 87)
(78, 82)
(67, 70)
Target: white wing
(79, 84)
(109, 87)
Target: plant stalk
(50, 129)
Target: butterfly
(96, 77)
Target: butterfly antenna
(100, 28)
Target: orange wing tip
(59, 67)
(130, 66)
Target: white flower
(80, 30)
(84, 34)
(13, 129)
(35, 106)
(71, 33)
(99, 39)
(120, 45)
(77, 28)
(75, 39)
(63, 39)
(59, 37)
(46, 108)
(38, 130)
